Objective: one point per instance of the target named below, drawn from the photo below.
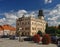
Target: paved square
(15, 43)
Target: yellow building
(30, 25)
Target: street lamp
(20, 34)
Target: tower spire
(40, 14)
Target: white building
(30, 25)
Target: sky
(10, 10)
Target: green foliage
(51, 30)
(58, 31)
(59, 26)
(58, 35)
(39, 32)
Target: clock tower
(40, 14)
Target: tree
(59, 26)
(58, 31)
(51, 30)
(46, 30)
(39, 32)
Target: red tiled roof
(8, 27)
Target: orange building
(7, 30)
(12, 31)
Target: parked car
(5, 36)
(12, 37)
(28, 39)
(58, 39)
(53, 39)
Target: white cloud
(54, 16)
(48, 1)
(10, 18)
(9, 15)
(20, 13)
(2, 20)
(52, 23)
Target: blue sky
(13, 7)
(7, 5)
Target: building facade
(1, 30)
(30, 25)
(7, 30)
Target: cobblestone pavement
(15, 43)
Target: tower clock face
(42, 17)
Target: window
(33, 23)
(20, 19)
(27, 23)
(22, 23)
(17, 23)
(33, 33)
(33, 28)
(27, 28)
(27, 33)
(22, 28)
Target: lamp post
(20, 34)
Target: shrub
(36, 38)
(40, 33)
(46, 39)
